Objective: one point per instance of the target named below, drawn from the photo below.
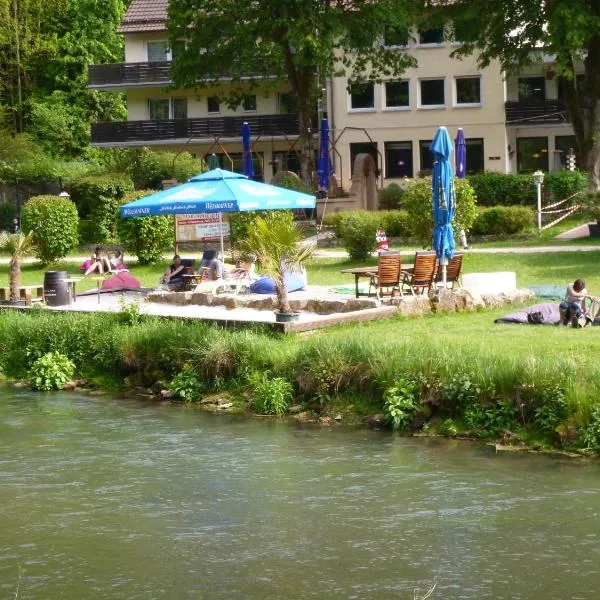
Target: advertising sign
(201, 227)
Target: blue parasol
(247, 163)
(324, 164)
(461, 154)
(444, 198)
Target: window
(468, 90)
(249, 103)
(579, 82)
(532, 89)
(167, 108)
(431, 36)
(398, 159)
(363, 148)
(563, 144)
(532, 154)
(475, 155)
(286, 161)
(396, 36)
(287, 103)
(432, 92)
(396, 94)
(362, 96)
(158, 51)
(426, 157)
(213, 104)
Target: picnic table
(25, 293)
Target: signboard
(201, 227)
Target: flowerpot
(594, 229)
(286, 317)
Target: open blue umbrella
(217, 191)
(444, 198)
(247, 163)
(324, 164)
(461, 154)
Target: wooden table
(71, 282)
(99, 281)
(25, 293)
(359, 272)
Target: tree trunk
(592, 112)
(282, 297)
(15, 278)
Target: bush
(390, 196)
(240, 223)
(146, 237)
(55, 225)
(503, 220)
(98, 198)
(149, 169)
(289, 182)
(400, 403)
(188, 384)
(357, 229)
(270, 395)
(417, 202)
(395, 223)
(563, 184)
(51, 371)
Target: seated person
(99, 262)
(210, 265)
(573, 306)
(294, 281)
(116, 261)
(86, 264)
(245, 269)
(174, 273)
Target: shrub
(149, 169)
(417, 202)
(270, 395)
(188, 385)
(563, 184)
(98, 198)
(503, 220)
(395, 223)
(51, 371)
(390, 196)
(357, 231)
(240, 223)
(400, 403)
(54, 222)
(289, 182)
(590, 434)
(146, 237)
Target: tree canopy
(300, 42)
(518, 32)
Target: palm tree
(278, 248)
(18, 244)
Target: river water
(109, 498)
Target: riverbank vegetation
(451, 374)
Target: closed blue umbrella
(444, 198)
(461, 154)
(247, 163)
(324, 164)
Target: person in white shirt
(573, 306)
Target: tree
(18, 245)
(515, 32)
(301, 42)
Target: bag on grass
(535, 318)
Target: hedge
(503, 220)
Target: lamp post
(64, 194)
(538, 179)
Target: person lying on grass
(572, 307)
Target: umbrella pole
(221, 236)
(444, 264)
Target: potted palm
(18, 245)
(279, 251)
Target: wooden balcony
(125, 75)
(119, 133)
(534, 112)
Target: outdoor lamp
(538, 179)
(64, 194)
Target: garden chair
(387, 275)
(453, 272)
(421, 277)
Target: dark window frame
(368, 86)
(391, 170)
(436, 34)
(540, 166)
(431, 80)
(532, 97)
(467, 78)
(389, 106)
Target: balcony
(123, 75)
(137, 133)
(532, 112)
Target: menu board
(201, 227)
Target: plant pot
(594, 229)
(286, 317)
(13, 303)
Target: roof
(145, 15)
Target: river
(110, 498)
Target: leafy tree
(18, 245)
(514, 32)
(301, 42)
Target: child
(572, 307)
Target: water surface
(109, 498)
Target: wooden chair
(453, 271)
(387, 275)
(422, 275)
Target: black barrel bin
(56, 288)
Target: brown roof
(145, 15)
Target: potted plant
(590, 204)
(18, 244)
(279, 251)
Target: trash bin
(56, 289)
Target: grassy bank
(451, 374)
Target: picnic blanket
(549, 291)
(350, 289)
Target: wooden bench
(25, 293)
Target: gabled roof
(145, 15)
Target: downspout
(330, 100)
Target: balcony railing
(129, 74)
(120, 132)
(531, 112)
